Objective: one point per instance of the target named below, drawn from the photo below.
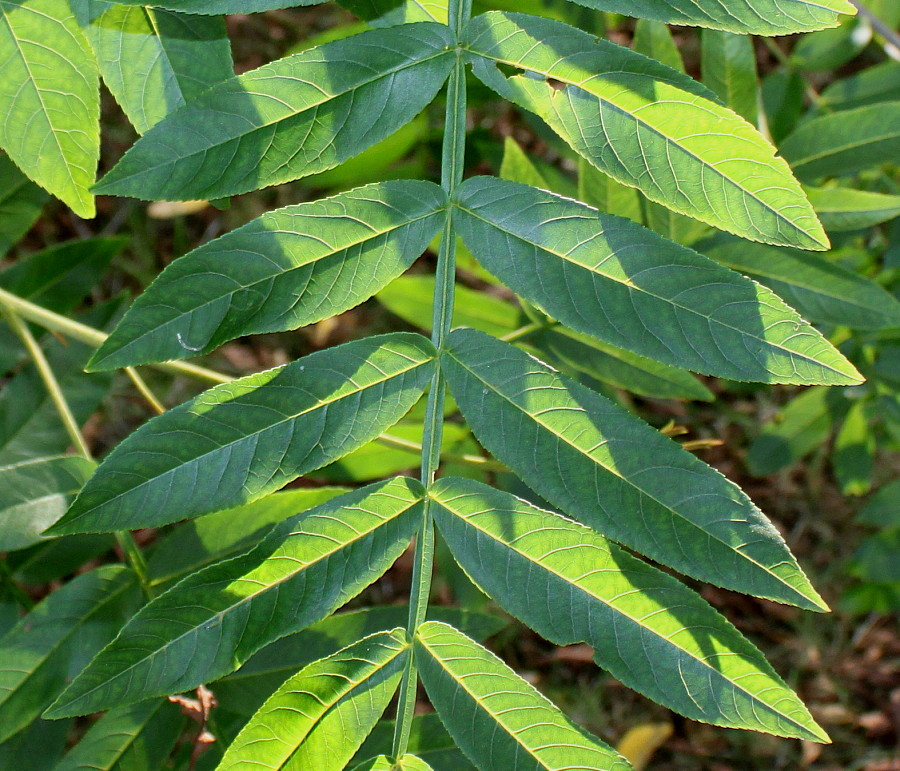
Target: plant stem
(452, 162)
(132, 553)
(94, 337)
(144, 390)
(398, 443)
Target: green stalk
(132, 553)
(452, 162)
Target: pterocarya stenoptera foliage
(607, 479)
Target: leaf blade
(563, 439)
(246, 441)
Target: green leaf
(616, 474)
(654, 39)
(518, 167)
(783, 95)
(58, 558)
(495, 717)
(760, 17)
(647, 629)
(215, 7)
(139, 736)
(729, 69)
(334, 100)
(618, 367)
(877, 84)
(831, 48)
(843, 208)
(798, 429)
(320, 717)
(210, 623)
(883, 508)
(215, 537)
(55, 641)
(289, 268)
(244, 691)
(153, 60)
(428, 739)
(853, 460)
(384, 763)
(36, 493)
(21, 202)
(647, 126)
(844, 142)
(245, 439)
(409, 298)
(43, 743)
(603, 192)
(50, 99)
(820, 289)
(610, 278)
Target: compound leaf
(647, 629)
(50, 99)
(495, 717)
(616, 474)
(647, 126)
(207, 625)
(289, 268)
(153, 60)
(245, 439)
(296, 116)
(321, 715)
(610, 278)
(54, 642)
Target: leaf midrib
(669, 140)
(320, 404)
(467, 518)
(708, 319)
(631, 484)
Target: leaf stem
(141, 385)
(452, 163)
(132, 553)
(94, 337)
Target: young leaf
(334, 101)
(617, 474)
(34, 494)
(21, 202)
(729, 69)
(647, 629)
(289, 268)
(153, 60)
(320, 717)
(50, 99)
(647, 126)
(759, 17)
(245, 439)
(224, 534)
(843, 208)
(610, 278)
(55, 641)
(844, 142)
(210, 623)
(495, 717)
(139, 736)
(820, 289)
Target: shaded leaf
(21, 202)
(50, 99)
(853, 459)
(43, 743)
(320, 716)
(646, 125)
(153, 60)
(729, 69)
(34, 494)
(428, 739)
(289, 268)
(876, 84)
(883, 508)
(210, 623)
(844, 142)
(843, 208)
(617, 474)
(647, 629)
(334, 100)
(220, 6)
(610, 278)
(54, 642)
(384, 763)
(495, 717)
(245, 439)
